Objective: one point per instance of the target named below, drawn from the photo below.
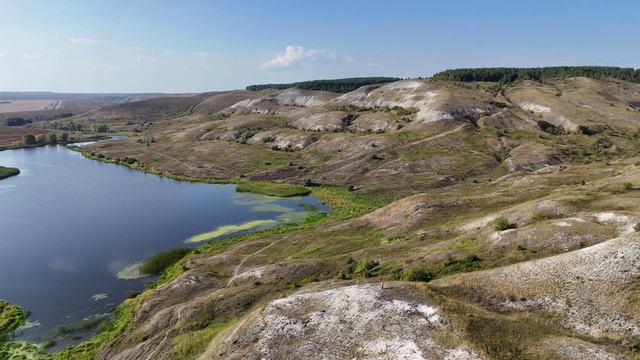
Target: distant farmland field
(12, 106)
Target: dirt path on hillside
(171, 158)
(237, 268)
(441, 135)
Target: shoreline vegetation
(273, 189)
(11, 317)
(255, 187)
(6, 172)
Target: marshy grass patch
(231, 229)
(156, 264)
(6, 172)
(11, 317)
(22, 350)
(273, 189)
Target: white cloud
(84, 41)
(295, 56)
(32, 56)
(205, 54)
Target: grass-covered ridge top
(272, 189)
(506, 75)
(332, 85)
(6, 172)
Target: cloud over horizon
(84, 41)
(32, 56)
(296, 56)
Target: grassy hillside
(490, 224)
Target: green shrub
(636, 227)
(28, 139)
(627, 186)
(156, 264)
(366, 268)
(452, 266)
(417, 273)
(501, 224)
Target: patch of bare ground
(358, 321)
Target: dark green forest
(334, 85)
(506, 75)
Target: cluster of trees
(71, 126)
(335, 85)
(17, 121)
(510, 75)
(100, 128)
(41, 139)
(20, 121)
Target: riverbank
(19, 145)
(6, 172)
(255, 187)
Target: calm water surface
(69, 224)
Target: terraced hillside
(469, 221)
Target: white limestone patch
(610, 217)
(359, 320)
(536, 108)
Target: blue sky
(193, 46)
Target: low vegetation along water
(74, 232)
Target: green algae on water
(293, 217)
(131, 272)
(271, 208)
(231, 229)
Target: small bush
(366, 268)
(451, 266)
(627, 186)
(417, 273)
(636, 227)
(29, 139)
(156, 264)
(502, 224)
